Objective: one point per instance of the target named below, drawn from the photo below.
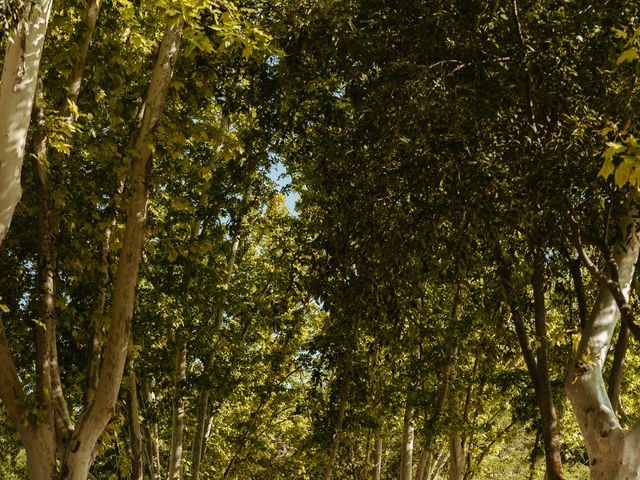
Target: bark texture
(377, 459)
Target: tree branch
(611, 283)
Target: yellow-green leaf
(613, 150)
(622, 173)
(607, 169)
(627, 56)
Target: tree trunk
(544, 395)
(17, 90)
(198, 444)
(423, 460)
(536, 361)
(377, 459)
(406, 454)
(617, 370)
(613, 451)
(177, 424)
(335, 444)
(135, 432)
(79, 456)
(152, 446)
(456, 456)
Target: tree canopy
(319, 239)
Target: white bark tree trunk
(94, 419)
(613, 451)
(406, 454)
(17, 90)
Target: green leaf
(619, 33)
(4, 308)
(607, 169)
(613, 150)
(627, 56)
(622, 173)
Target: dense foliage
(373, 228)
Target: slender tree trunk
(45, 325)
(366, 461)
(177, 424)
(578, 285)
(406, 454)
(537, 361)
(613, 451)
(423, 461)
(135, 432)
(533, 459)
(17, 90)
(436, 465)
(550, 432)
(337, 436)
(78, 459)
(152, 450)
(377, 459)
(198, 444)
(427, 459)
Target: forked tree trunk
(79, 455)
(536, 360)
(17, 90)
(614, 453)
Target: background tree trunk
(406, 452)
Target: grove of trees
(319, 239)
